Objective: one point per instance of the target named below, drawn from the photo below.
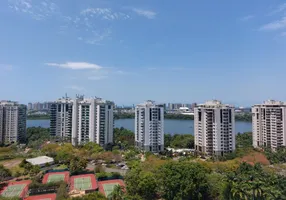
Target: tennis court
(109, 187)
(83, 182)
(14, 190)
(56, 178)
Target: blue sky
(129, 51)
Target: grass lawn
(11, 163)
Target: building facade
(61, 118)
(83, 120)
(92, 121)
(12, 122)
(149, 126)
(214, 125)
(269, 124)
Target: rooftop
(149, 103)
(272, 102)
(215, 104)
(40, 160)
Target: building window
(200, 116)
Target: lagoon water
(171, 126)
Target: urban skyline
(189, 48)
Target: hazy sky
(129, 51)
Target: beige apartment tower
(214, 128)
(269, 124)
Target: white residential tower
(83, 120)
(214, 128)
(149, 126)
(269, 124)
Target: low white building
(41, 161)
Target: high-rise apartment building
(269, 124)
(61, 118)
(214, 128)
(149, 126)
(92, 121)
(12, 122)
(83, 120)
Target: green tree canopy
(182, 180)
(4, 173)
(141, 183)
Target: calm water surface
(171, 126)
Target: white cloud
(279, 9)
(276, 25)
(76, 88)
(38, 10)
(247, 18)
(98, 36)
(97, 78)
(145, 13)
(104, 13)
(121, 72)
(76, 65)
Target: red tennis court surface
(56, 177)
(42, 197)
(106, 187)
(16, 189)
(83, 182)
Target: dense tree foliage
(182, 180)
(91, 196)
(36, 136)
(4, 173)
(62, 192)
(29, 169)
(92, 148)
(179, 141)
(124, 115)
(141, 183)
(77, 164)
(123, 138)
(117, 194)
(244, 140)
(247, 117)
(251, 182)
(190, 180)
(278, 156)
